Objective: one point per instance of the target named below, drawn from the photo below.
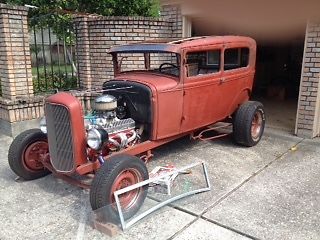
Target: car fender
(242, 97)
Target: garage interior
(277, 81)
(278, 70)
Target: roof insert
(186, 40)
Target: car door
(237, 76)
(201, 95)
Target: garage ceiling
(268, 20)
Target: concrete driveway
(270, 191)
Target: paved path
(270, 191)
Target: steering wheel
(169, 64)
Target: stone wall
(96, 35)
(307, 124)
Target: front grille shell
(66, 133)
(60, 137)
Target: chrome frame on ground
(125, 225)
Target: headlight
(87, 124)
(96, 137)
(43, 125)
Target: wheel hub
(33, 154)
(124, 179)
(256, 125)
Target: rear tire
(116, 173)
(25, 152)
(249, 123)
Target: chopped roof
(177, 45)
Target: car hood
(153, 80)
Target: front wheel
(118, 172)
(248, 123)
(26, 152)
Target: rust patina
(180, 105)
(160, 92)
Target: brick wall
(15, 65)
(307, 114)
(17, 101)
(172, 13)
(96, 35)
(18, 105)
(19, 115)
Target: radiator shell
(66, 132)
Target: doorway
(277, 81)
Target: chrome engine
(122, 132)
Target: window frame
(239, 57)
(206, 51)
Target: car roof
(177, 45)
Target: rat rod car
(160, 92)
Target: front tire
(25, 154)
(116, 173)
(248, 123)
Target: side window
(203, 62)
(236, 58)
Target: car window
(236, 58)
(166, 63)
(203, 62)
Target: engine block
(120, 126)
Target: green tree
(55, 12)
(103, 7)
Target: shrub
(51, 82)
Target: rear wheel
(26, 152)
(118, 172)
(248, 123)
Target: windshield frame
(118, 61)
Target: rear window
(236, 58)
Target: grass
(55, 78)
(49, 68)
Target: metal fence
(53, 58)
